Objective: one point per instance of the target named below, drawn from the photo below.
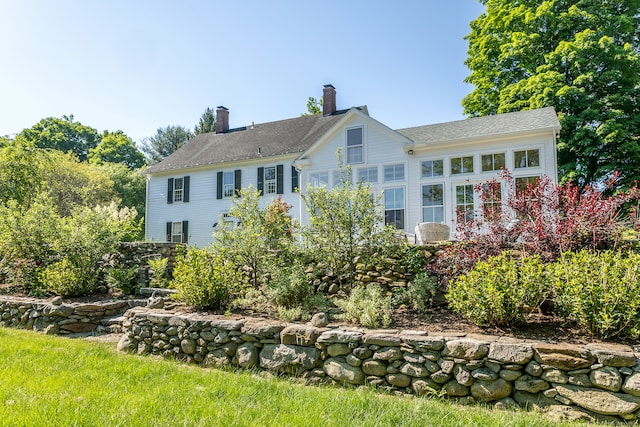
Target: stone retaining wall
(137, 255)
(592, 382)
(57, 318)
(586, 382)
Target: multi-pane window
(270, 180)
(525, 182)
(394, 172)
(461, 165)
(433, 203)
(492, 200)
(178, 187)
(431, 168)
(526, 159)
(368, 175)
(178, 232)
(228, 184)
(355, 148)
(464, 202)
(394, 207)
(319, 179)
(492, 162)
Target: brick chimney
(222, 119)
(328, 100)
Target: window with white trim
(393, 173)
(492, 200)
(525, 182)
(432, 168)
(394, 207)
(319, 179)
(369, 175)
(355, 146)
(270, 180)
(526, 159)
(492, 162)
(433, 203)
(464, 202)
(228, 184)
(460, 165)
(177, 189)
(177, 232)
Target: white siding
(203, 209)
(381, 146)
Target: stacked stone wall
(57, 318)
(587, 382)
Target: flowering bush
(538, 218)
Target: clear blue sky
(137, 65)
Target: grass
(54, 381)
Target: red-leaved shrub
(541, 218)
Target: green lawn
(53, 381)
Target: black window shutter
(170, 190)
(185, 189)
(294, 179)
(169, 225)
(219, 185)
(237, 181)
(185, 231)
(280, 179)
(261, 180)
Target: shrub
(205, 279)
(158, 267)
(122, 279)
(367, 306)
(540, 218)
(600, 291)
(289, 286)
(344, 225)
(65, 279)
(421, 291)
(500, 290)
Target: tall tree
(116, 147)
(62, 134)
(207, 122)
(164, 142)
(580, 56)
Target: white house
(425, 173)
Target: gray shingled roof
(294, 136)
(252, 142)
(495, 125)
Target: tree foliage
(344, 223)
(165, 142)
(62, 134)
(254, 237)
(583, 57)
(116, 147)
(314, 106)
(207, 122)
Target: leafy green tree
(19, 172)
(165, 142)
(314, 106)
(116, 147)
(253, 237)
(207, 122)
(72, 183)
(129, 186)
(62, 134)
(345, 222)
(583, 57)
